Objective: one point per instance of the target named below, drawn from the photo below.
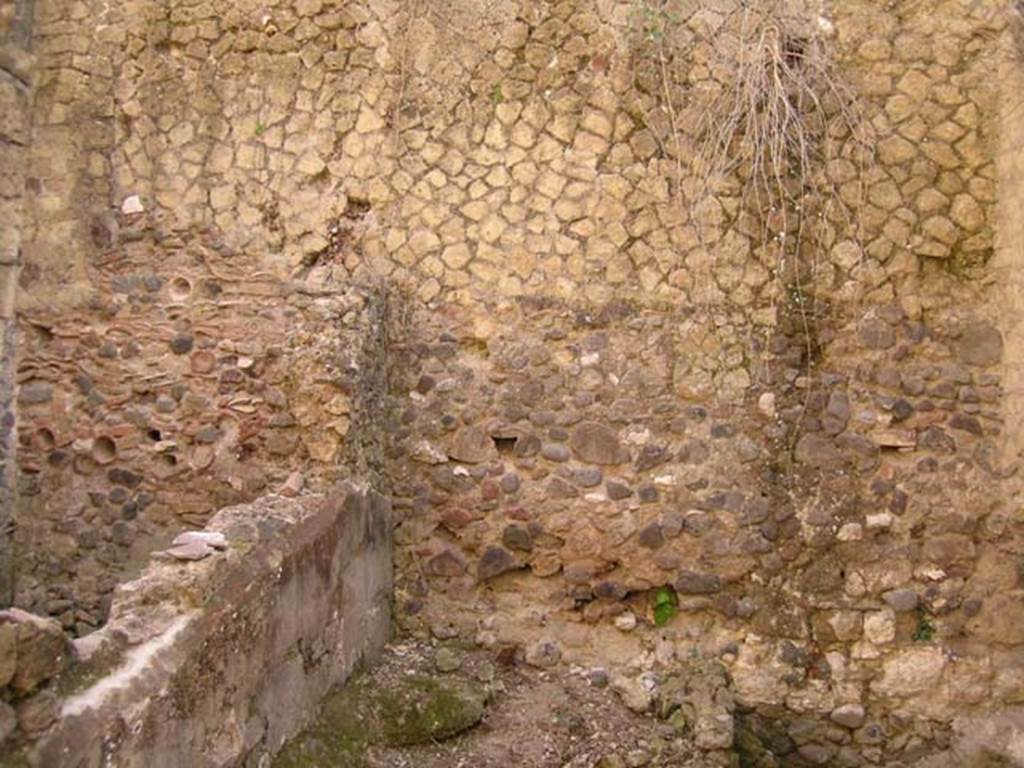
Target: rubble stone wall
(827, 491)
(194, 387)
(164, 371)
(603, 384)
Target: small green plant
(925, 631)
(260, 129)
(666, 605)
(655, 20)
(497, 97)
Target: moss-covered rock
(425, 710)
(414, 710)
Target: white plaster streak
(139, 661)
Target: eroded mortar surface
(464, 252)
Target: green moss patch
(414, 710)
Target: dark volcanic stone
(597, 444)
(818, 451)
(647, 493)
(618, 491)
(937, 439)
(755, 511)
(651, 536)
(526, 446)
(651, 456)
(875, 334)
(901, 600)
(980, 344)
(610, 590)
(902, 410)
(588, 477)
(510, 483)
(966, 423)
(494, 562)
(555, 452)
(561, 489)
(35, 393)
(517, 537)
(181, 343)
(694, 583)
(126, 477)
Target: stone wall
(194, 386)
(520, 148)
(215, 661)
(164, 371)
(16, 79)
(562, 475)
(605, 385)
(824, 489)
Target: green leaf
(664, 613)
(665, 596)
(666, 605)
(925, 631)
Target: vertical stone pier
(16, 71)
(1009, 253)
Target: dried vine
(764, 125)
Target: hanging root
(781, 115)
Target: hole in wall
(356, 208)
(202, 362)
(43, 440)
(154, 435)
(100, 233)
(180, 288)
(41, 333)
(169, 459)
(59, 459)
(505, 445)
(104, 450)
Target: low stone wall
(217, 661)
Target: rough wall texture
(16, 77)
(1009, 256)
(194, 388)
(163, 372)
(218, 662)
(607, 385)
(829, 500)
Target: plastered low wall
(216, 662)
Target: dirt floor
(531, 718)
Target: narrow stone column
(1008, 263)
(16, 72)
